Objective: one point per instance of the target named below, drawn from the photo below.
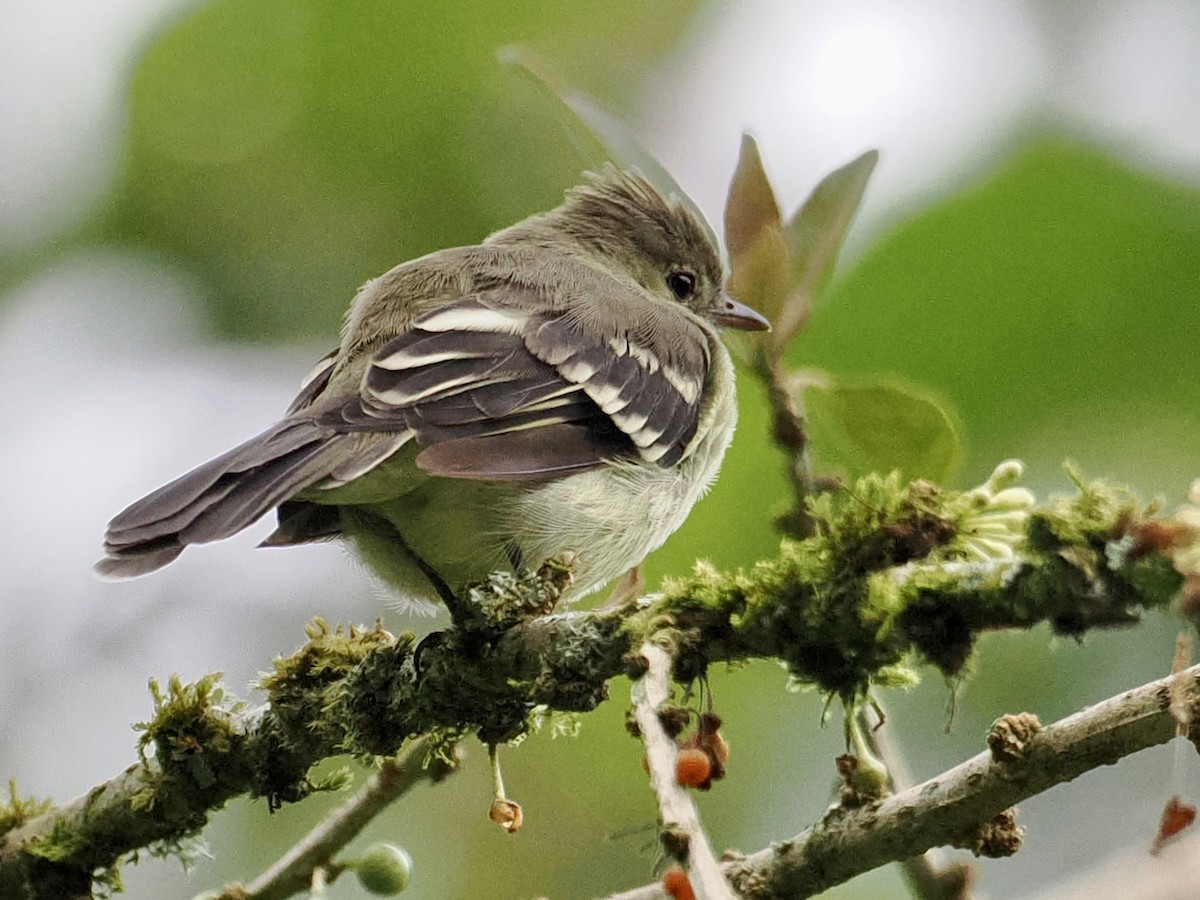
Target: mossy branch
(893, 573)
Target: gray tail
(219, 498)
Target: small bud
(693, 768)
(675, 884)
(1010, 736)
(1005, 475)
(1177, 816)
(384, 870)
(864, 776)
(507, 814)
(674, 720)
(999, 837)
(710, 738)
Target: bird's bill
(734, 314)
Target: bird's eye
(682, 284)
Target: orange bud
(1177, 816)
(675, 884)
(693, 768)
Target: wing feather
(494, 374)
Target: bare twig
(292, 873)
(790, 432)
(950, 809)
(682, 833)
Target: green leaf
(817, 231)
(884, 425)
(758, 249)
(751, 207)
(531, 75)
(1054, 300)
(759, 274)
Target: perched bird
(559, 387)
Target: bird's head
(625, 223)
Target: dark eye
(682, 284)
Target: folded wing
(495, 386)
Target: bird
(559, 388)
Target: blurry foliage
(878, 426)
(1056, 298)
(291, 149)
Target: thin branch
(953, 808)
(682, 833)
(293, 872)
(930, 875)
(790, 433)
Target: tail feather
(178, 495)
(219, 498)
(259, 490)
(170, 523)
(122, 568)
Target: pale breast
(611, 518)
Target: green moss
(196, 742)
(819, 605)
(896, 569)
(1098, 513)
(306, 685)
(505, 598)
(462, 680)
(18, 810)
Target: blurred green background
(1025, 254)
